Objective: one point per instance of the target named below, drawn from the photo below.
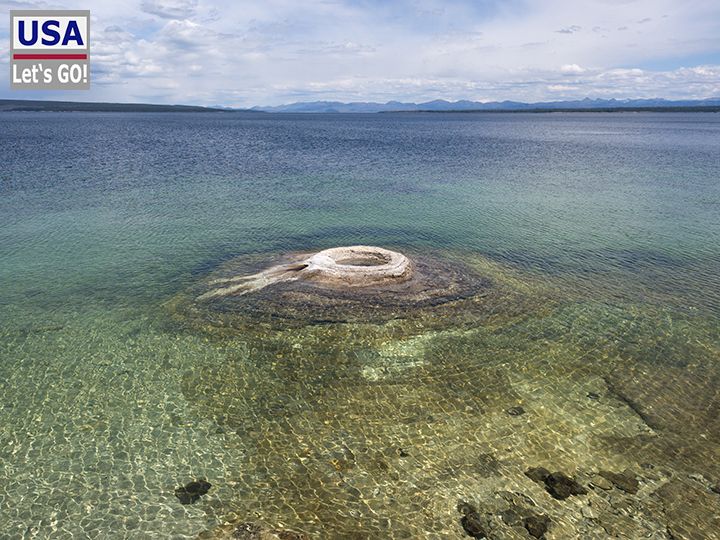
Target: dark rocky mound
(435, 282)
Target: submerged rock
(557, 484)
(536, 526)
(561, 486)
(191, 492)
(465, 508)
(588, 512)
(511, 516)
(473, 523)
(625, 481)
(600, 482)
(516, 411)
(537, 474)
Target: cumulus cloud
(275, 51)
(572, 69)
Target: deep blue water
(567, 191)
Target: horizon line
(359, 102)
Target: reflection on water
(591, 348)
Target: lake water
(599, 351)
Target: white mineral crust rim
(349, 266)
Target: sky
(243, 53)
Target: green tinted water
(600, 234)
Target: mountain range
(441, 105)
(438, 105)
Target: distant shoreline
(18, 105)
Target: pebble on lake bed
(516, 411)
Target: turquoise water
(601, 233)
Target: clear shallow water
(602, 232)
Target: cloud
(684, 83)
(569, 30)
(561, 88)
(572, 69)
(274, 51)
(169, 9)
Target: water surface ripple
(596, 352)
